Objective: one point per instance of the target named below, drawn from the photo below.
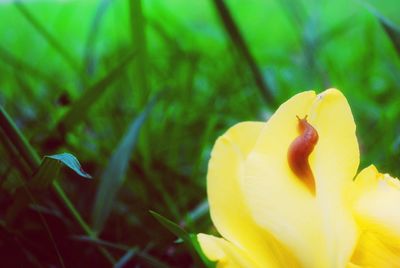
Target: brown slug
(299, 151)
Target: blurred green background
(139, 90)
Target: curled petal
(376, 206)
(224, 253)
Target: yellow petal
(335, 162)
(224, 253)
(228, 210)
(352, 265)
(280, 202)
(336, 156)
(377, 212)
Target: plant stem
(28, 154)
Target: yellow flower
(273, 211)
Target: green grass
(78, 77)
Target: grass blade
(390, 28)
(19, 141)
(139, 44)
(152, 261)
(93, 34)
(126, 258)
(94, 240)
(140, 67)
(13, 156)
(32, 159)
(392, 31)
(114, 174)
(237, 39)
(189, 239)
(20, 65)
(81, 107)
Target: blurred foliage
(80, 77)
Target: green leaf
(114, 174)
(171, 226)
(50, 167)
(70, 161)
(189, 239)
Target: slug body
(299, 151)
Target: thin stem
(46, 35)
(26, 151)
(237, 39)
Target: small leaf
(50, 167)
(172, 227)
(72, 162)
(189, 239)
